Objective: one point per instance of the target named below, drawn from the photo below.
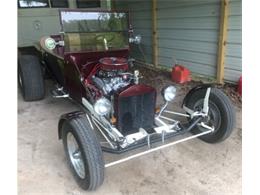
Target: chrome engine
(111, 81)
(112, 75)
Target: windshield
(75, 21)
(94, 31)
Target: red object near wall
(239, 86)
(180, 74)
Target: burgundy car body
(73, 71)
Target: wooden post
(72, 4)
(113, 4)
(49, 2)
(155, 33)
(222, 40)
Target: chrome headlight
(102, 106)
(169, 93)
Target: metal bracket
(206, 126)
(149, 141)
(206, 102)
(132, 138)
(163, 135)
(162, 126)
(163, 108)
(59, 93)
(190, 111)
(205, 109)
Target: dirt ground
(193, 167)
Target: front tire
(83, 153)
(221, 114)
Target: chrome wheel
(75, 155)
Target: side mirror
(136, 40)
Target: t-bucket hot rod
(89, 61)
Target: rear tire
(221, 112)
(30, 78)
(88, 170)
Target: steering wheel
(101, 37)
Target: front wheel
(221, 114)
(83, 153)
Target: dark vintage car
(89, 62)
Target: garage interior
(204, 36)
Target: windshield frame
(128, 31)
(94, 10)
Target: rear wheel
(221, 114)
(30, 78)
(83, 152)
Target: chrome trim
(163, 108)
(110, 133)
(61, 96)
(177, 113)
(164, 125)
(186, 109)
(103, 122)
(168, 119)
(132, 138)
(91, 125)
(206, 102)
(206, 126)
(103, 134)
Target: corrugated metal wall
(233, 61)
(141, 19)
(188, 31)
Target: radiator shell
(135, 108)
